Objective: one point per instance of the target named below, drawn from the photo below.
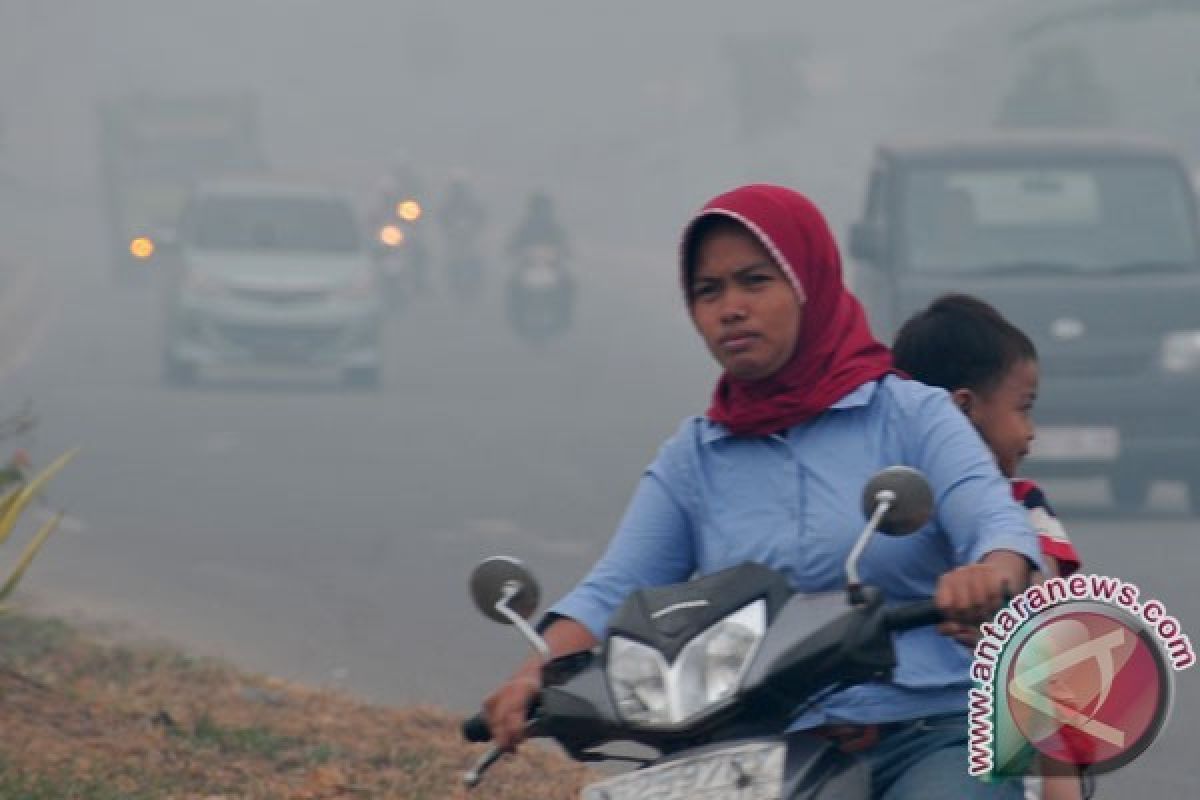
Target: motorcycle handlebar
(476, 729)
(912, 615)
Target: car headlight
(1181, 351)
(141, 247)
(649, 692)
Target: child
(990, 368)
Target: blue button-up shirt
(792, 501)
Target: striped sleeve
(1052, 536)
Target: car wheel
(1129, 490)
(177, 372)
(362, 378)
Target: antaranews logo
(1076, 669)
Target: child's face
(1004, 416)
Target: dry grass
(89, 720)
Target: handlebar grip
(476, 729)
(912, 615)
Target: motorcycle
(401, 253)
(464, 263)
(540, 294)
(707, 673)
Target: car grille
(280, 344)
(280, 297)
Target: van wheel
(1129, 490)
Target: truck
(153, 148)
(1089, 242)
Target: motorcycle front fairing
(811, 643)
(819, 642)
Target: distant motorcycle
(401, 252)
(463, 261)
(540, 294)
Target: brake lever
(473, 776)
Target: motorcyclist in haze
(461, 212)
(809, 405)
(541, 290)
(539, 227)
(402, 184)
(462, 218)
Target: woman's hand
(507, 709)
(969, 596)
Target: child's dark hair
(960, 342)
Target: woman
(806, 410)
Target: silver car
(272, 276)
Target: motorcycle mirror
(910, 496)
(501, 579)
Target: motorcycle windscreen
(668, 617)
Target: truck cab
(153, 148)
(1091, 244)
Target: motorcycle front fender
(814, 769)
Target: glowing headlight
(652, 693)
(1181, 351)
(391, 235)
(141, 247)
(409, 210)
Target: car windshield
(1102, 216)
(290, 224)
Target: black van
(1089, 243)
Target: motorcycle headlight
(390, 235)
(409, 210)
(1181, 351)
(649, 692)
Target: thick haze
(327, 535)
(624, 110)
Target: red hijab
(835, 351)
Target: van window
(1097, 217)
(286, 224)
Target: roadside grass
(85, 718)
(16, 785)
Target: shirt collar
(856, 398)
